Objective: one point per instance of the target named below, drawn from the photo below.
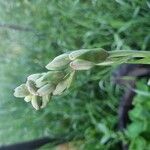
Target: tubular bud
(21, 91)
(59, 62)
(79, 64)
(32, 87)
(39, 82)
(46, 89)
(94, 55)
(45, 100)
(35, 102)
(34, 77)
(53, 76)
(28, 98)
(75, 54)
(63, 85)
(60, 88)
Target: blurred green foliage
(33, 32)
(138, 132)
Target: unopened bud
(39, 82)
(63, 85)
(45, 90)
(53, 76)
(34, 77)
(31, 87)
(21, 91)
(35, 103)
(58, 63)
(79, 64)
(93, 55)
(45, 100)
(28, 98)
(75, 54)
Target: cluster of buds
(40, 87)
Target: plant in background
(40, 87)
(138, 130)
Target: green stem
(133, 53)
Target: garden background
(32, 32)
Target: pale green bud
(53, 76)
(58, 63)
(75, 54)
(39, 82)
(31, 87)
(21, 91)
(63, 85)
(79, 64)
(34, 77)
(35, 103)
(28, 98)
(45, 100)
(45, 90)
(93, 55)
(70, 79)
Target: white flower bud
(21, 91)
(63, 85)
(97, 55)
(53, 76)
(75, 54)
(45, 100)
(46, 89)
(35, 102)
(59, 62)
(39, 82)
(79, 64)
(34, 77)
(28, 98)
(31, 87)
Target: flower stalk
(39, 88)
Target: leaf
(138, 143)
(134, 129)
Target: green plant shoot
(40, 87)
